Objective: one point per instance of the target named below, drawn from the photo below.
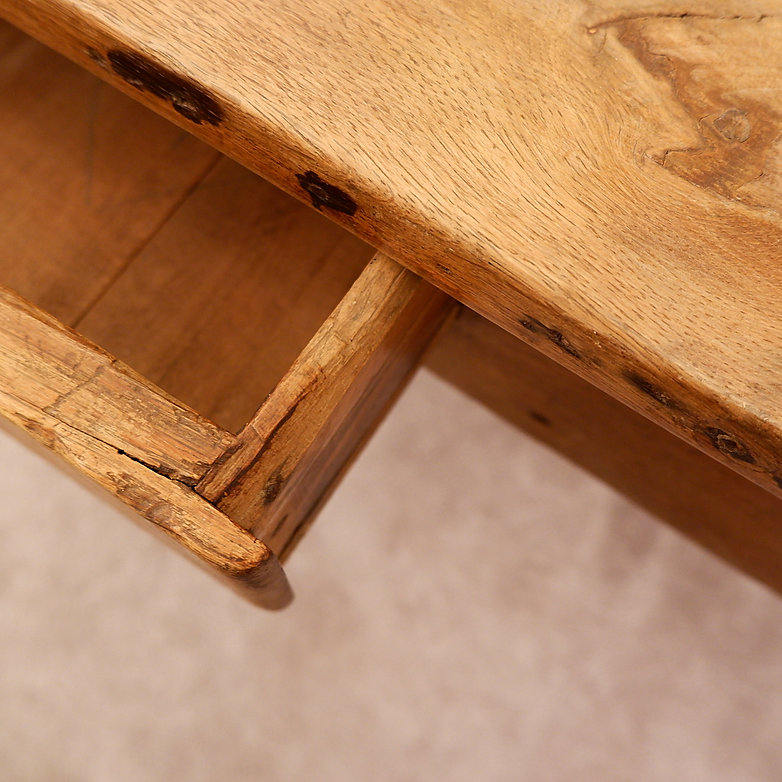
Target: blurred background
(470, 606)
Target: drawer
(200, 344)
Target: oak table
(598, 183)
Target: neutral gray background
(469, 606)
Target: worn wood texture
(599, 178)
(708, 502)
(144, 447)
(86, 177)
(320, 413)
(222, 300)
(52, 368)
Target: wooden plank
(599, 178)
(86, 176)
(199, 529)
(223, 299)
(133, 440)
(46, 366)
(322, 410)
(711, 504)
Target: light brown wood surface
(710, 503)
(86, 177)
(210, 283)
(223, 299)
(320, 413)
(194, 481)
(128, 437)
(599, 178)
(211, 539)
(44, 365)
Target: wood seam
(155, 230)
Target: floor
(469, 606)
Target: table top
(603, 179)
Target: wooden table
(601, 180)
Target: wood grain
(599, 178)
(333, 396)
(128, 437)
(223, 299)
(86, 177)
(713, 505)
(49, 367)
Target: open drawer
(197, 342)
